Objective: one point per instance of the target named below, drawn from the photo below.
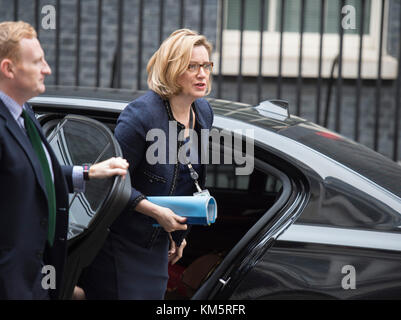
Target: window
(292, 18)
(78, 140)
(311, 39)
(252, 17)
(312, 16)
(223, 176)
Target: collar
(12, 106)
(193, 107)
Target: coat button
(43, 222)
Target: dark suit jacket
(141, 115)
(133, 262)
(24, 213)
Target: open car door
(78, 140)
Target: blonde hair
(11, 33)
(172, 59)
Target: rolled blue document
(197, 210)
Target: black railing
(359, 78)
(397, 100)
(323, 84)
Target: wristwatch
(86, 167)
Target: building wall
(88, 33)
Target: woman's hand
(175, 254)
(169, 220)
(165, 217)
(108, 168)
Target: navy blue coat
(146, 113)
(24, 213)
(133, 262)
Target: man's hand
(175, 254)
(109, 168)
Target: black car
(317, 217)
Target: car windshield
(361, 159)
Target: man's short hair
(11, 32)
(172, 59)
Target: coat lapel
(23, 140)
(53, 158)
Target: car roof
(118, 98)
(112, 94)
(355, 156)
(361, 159)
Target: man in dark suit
(33, 186)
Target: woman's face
(194, 81)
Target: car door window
(76, 141)
(224, 177)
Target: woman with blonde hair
(133, 263)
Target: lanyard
(193, 173)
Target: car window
(273, 184)
(222, 176)
(77, 142)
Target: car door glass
(76, 142)
(273, 184)
(223, 176)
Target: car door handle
(224, 282)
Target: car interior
(241, 201)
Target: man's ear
(7, 68)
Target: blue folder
(199, 210)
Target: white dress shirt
(16, 111)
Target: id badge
(203, 193)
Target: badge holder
(195, 177)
